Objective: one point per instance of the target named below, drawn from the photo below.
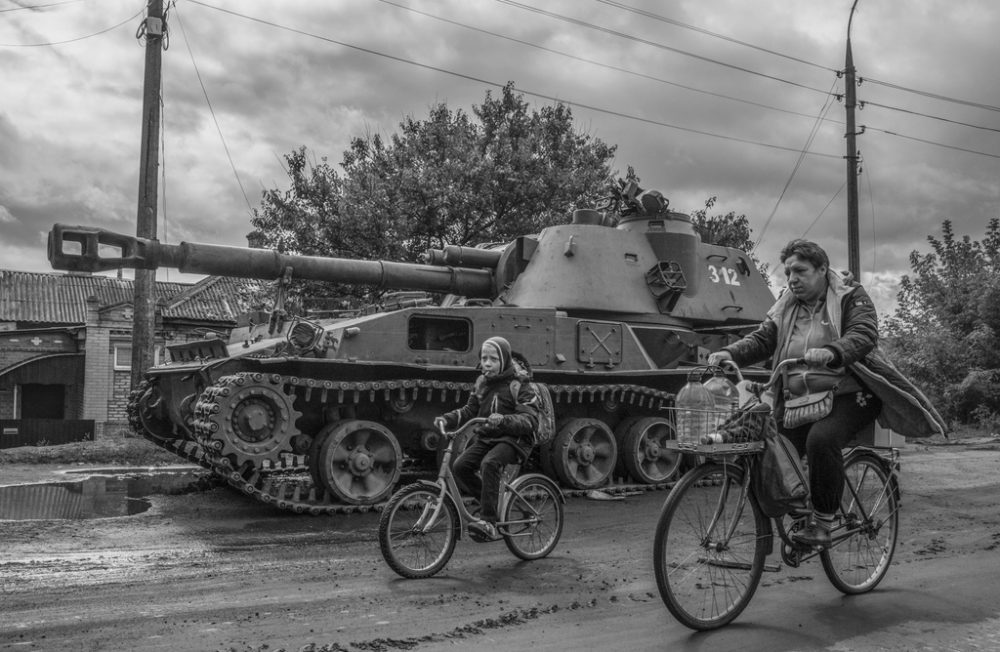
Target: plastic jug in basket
(695, 411)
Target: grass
(116, 450)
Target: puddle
(105, 493)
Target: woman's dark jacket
(905, 409)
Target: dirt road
(216, 571)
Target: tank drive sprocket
(247, 417)
(144, 417)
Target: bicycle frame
(447, 487)
(850, 524)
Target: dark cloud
(317, 74)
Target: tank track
(287, 483)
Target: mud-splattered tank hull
(328, 416)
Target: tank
(328, 415)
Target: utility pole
(144, 318)
(850, 101)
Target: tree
(454, 178)
(945, 333)
(729, 230)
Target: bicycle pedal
(773, 567)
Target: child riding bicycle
(512, 421)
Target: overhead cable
(598, 63)
(798, 162)
(944, 98)
(78, 38)
(925, 115)
(654, 44)
(695, 28)
(215, 119)
(480, 80)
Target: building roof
(55, 298)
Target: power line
(925, 115)
(701, 30)
(944, 98)
(654, 44)
(45, 6)
(598, 63)
(812, 135)
(671, 21)
(480, 80)
(211, 110)
(930, 142)
(78, 38)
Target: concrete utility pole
(144, 318)
(850, 101)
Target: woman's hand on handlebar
(441, 424)
(719, 357)
(821, 357)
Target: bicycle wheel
(709, 549)
(532, 517)
(863, 544)
(409, 547)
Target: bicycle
(712, 539)
(421, 523)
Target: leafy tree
(945, 333)
(453, 178)
(729, 230)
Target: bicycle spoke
(864, 544)
(709, 551)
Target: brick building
(66, 342)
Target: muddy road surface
(214, 570)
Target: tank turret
(324, 415)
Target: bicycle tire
(417, 555)
(704, 582)
(862, 550)
(532, 517)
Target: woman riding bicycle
(831, 323)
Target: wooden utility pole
(144, 318)
(850, 101)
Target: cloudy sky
(725, 98)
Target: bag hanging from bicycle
(779, 480)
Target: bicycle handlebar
(759, 388)
(475, 421)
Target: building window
(123, 357)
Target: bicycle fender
(891, 468)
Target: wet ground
(214, 570)
(97, 493)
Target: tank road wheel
(315, 446)
(145, 413)
(621, 431)
(643, 453)
(359, 462)
(255, 419)
(584, 453)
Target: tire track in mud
(505, 620)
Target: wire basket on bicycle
(702, 422)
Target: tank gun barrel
(460, 256)
(220, 260)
